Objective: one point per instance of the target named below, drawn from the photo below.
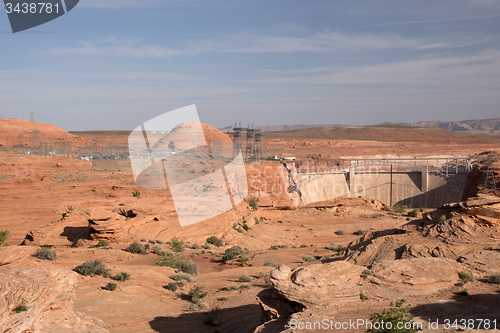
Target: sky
(114, 64)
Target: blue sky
(113, 64)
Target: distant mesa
(15, 131)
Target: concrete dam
(426, 183)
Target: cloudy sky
(113, 64)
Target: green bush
(110, 286)
(172, 286)
(45, 254)
(396, 314)
(176, 244)
(243, 258)
(123, 276)
(303, 245)
(100, 243)
(136, 194)
(253, 202)
(495, 278)
(136, 247)
(442, 218)
(413, 213)
(181, 265)
(359, 232)
(195, 294)
(466, 276)
(20, 308)
(463, 292)
(214, 240)
(363, 297)
(400, 208)
(339, 232)
(4, 234)
(238, 228)
(233, 252)
(245, 278)
(366, 273)
(92, 267)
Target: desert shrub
(157, 249)
(222, 299)
(123, 276)
(303, 245)
(400, 208)
(136, 247)
(243, 258)
(143, 240)
(233, 252)
(92, 267)
(466, 276)
(194, 247)
(4, 234)
(495, 278)
(146, 247)
(197, 305)
(339, 232)
(110, 286)
(396, 314)
(152, 241)
(413, 213)
(253, 202)
(272, 264)
(159, 241)
(182, 265)
(195, 294)
(463, 292)
(176, 244)
(245, 278)
(363, 297)
(172, 286)
(245, 226)
(179, 276)
(100, 243)
(274, 247)
(45, 254)
(262, 274)
(136, 194)
(359, 232)
(256, 220)
(442, 218)
(238, 228)
(309, 258)
(366, 273)
(20, 308)
(206, 246)
(210, 317)
(245, 286)
(214, 240)
(230, 287)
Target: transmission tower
(490, 174)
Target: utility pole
(391, 187)
(31, 116)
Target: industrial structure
(248, 140)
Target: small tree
(176, 244)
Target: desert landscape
(85, 249)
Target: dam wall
(416, 188)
